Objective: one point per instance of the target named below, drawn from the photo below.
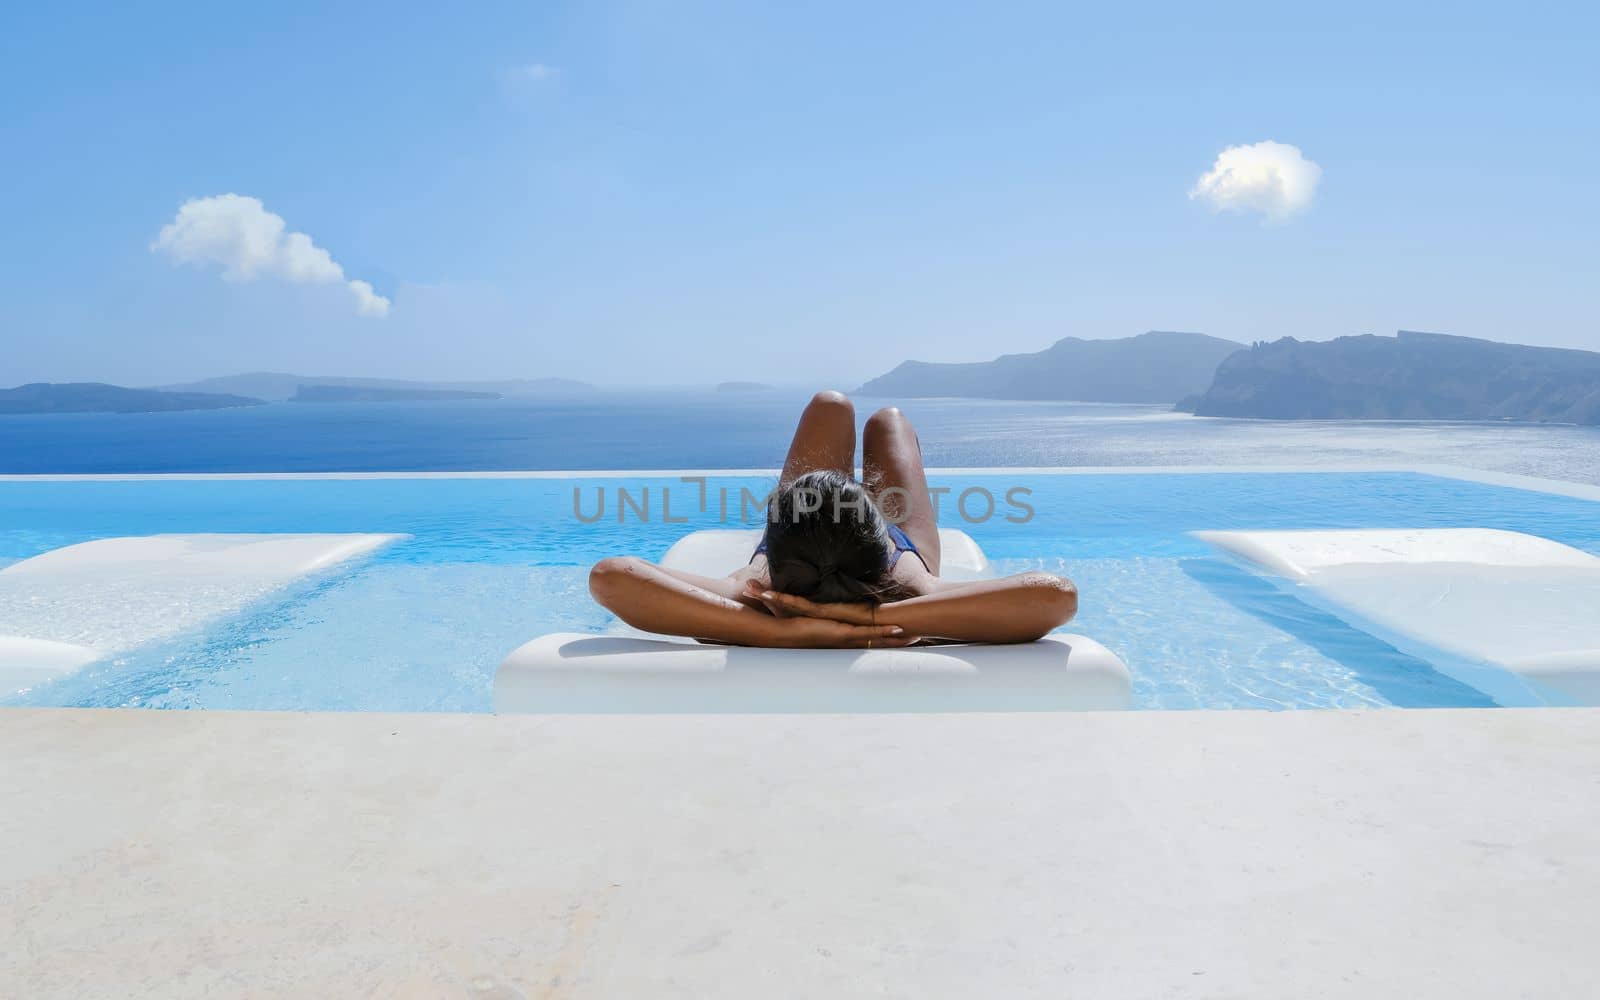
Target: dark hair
(827, 540)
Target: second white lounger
(1513, 615)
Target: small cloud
(1271, 178)
(237, 233)
(531, 73)
(368, 302)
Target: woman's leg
(891, 459)
(824, 439)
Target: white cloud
(368, 303)
(237, 233)
(1272, 178)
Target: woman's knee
(888, 420)
(832, 399)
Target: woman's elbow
(1053, 598)
(610, 578)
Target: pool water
(493, 562)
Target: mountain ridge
(101, 397)
(371, 394)
(1159, 366)
(1410, 376)
(282, 386)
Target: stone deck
(1149, 854)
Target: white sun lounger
(631, 672)
(1475, 602)
(66, 608)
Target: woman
(836, 570)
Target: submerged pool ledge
(1442, 853)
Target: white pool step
(71, 606)
(1484, 598)
(25, 662)
(631, 671)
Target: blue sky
(684, 192)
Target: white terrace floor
(1307, 854)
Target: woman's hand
(800, 632)
(793, 606)
(805, 623)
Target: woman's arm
(650, 598)
(1018, 608)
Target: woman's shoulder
(915, 578)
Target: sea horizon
(704, 429)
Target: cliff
(373, 394)
(1412, 376)
(98, 397)
(1156, 367)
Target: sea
(701, 429)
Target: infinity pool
(492, 562)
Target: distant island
(369, 394)
(1411, 376)
(97, 397)
(280, 387)
(1155, 367)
